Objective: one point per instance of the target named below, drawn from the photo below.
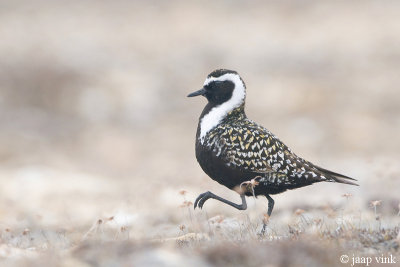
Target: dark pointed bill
(202, 91)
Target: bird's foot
(264, 228)
(201, 199)
(265, 223)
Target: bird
(243, 155)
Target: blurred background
(95, 122)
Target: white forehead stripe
(216, 114)
(226, 77)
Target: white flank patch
(216, 114)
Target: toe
(199, 202)
(196, 202)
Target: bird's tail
(337, 177)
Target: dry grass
(309, 238)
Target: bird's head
(223, 86)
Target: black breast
(217, 168)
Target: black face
(218, 92)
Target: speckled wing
(250, 147)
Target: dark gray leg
(205, 196)
(271, 203)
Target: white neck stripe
(216, 114)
